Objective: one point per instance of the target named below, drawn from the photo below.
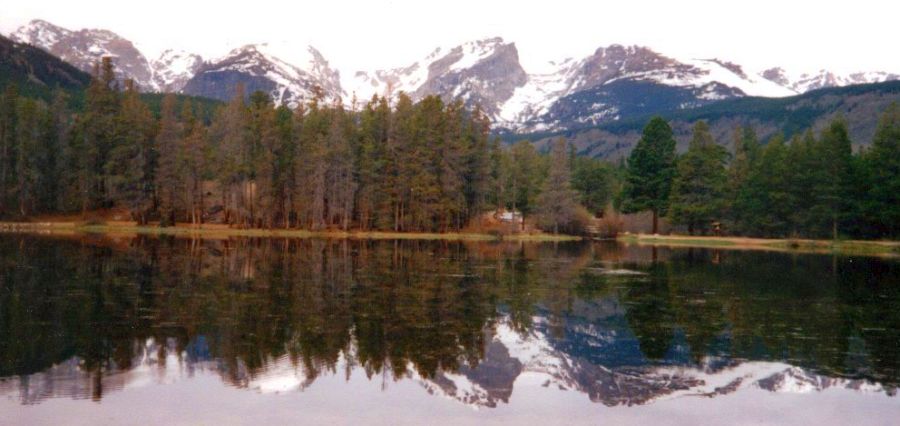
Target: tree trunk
(834, 228)
(655, 222)
(202, 204)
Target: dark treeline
(426, 166)
(814, 186)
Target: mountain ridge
(612, 84)
(37, 72)
(860, 105)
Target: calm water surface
(272, 331)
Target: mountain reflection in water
(622, 325)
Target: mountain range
(613, 84)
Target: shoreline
(788, 245)
(220, 231)
(846, 247)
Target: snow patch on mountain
(263, 67)
(801, 82)
(411, 78)
(40, 33)
(535, 97)
(483, 73)
(173, 68)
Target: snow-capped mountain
(84, 49)
(610, 84)
(804, 82)
(483, 72)
(621, 80)
(613, 82)
(488, 73)
(265, 67)
(173, 68)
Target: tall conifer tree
(651, 168)
(699, 188)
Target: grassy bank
(218, 231)
(854, 247)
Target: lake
(146, 330)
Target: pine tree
(260, 163)
(286, 158)
(229, 136)
(373, 128)
(8, 123)
(500, 170)
(525, 177)
(802, 177)
(193, 156)
(28, 136)
(699, 188)
(479, 168)
(340, 187)
(396, 184)
(883, 162)
(98, 131)
(595, 182)
(452, 168)
(314, 150)
(131, 160)
(764, 203)
(651, 168)
(833, 190)
(557, 203)
(746, 157)
(421, 164)
(169, 175)
(55, 127)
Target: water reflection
(468, 321)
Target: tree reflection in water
(622, 324)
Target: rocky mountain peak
(730, 66)
(40, 33)
(483, 72)
(173, 68)
(615, 61)
(86, 47)
(776, 75)
(265, 67)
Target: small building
(507, 216)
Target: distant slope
(860, 105)
(36, 72)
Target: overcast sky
(798, 35)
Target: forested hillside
(858, 105)
(37, 73)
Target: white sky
(844, 36)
